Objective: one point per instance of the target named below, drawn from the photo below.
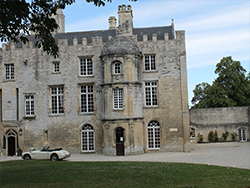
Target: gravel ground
(229, 154)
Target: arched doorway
(12, 144)
(119, 141)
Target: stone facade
(232, 119)
(119, 91)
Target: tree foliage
(230, 88)
(18, 18)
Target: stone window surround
(145, 97)
(90, 138)
(57, 99)
(9, 70)
(56, 67)
(118, 95)
(84, 60)
(152, 68)
(29, 116)
(93, 97)
(154, 130)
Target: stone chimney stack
(60, 20)
(125, 18)
(112, 23)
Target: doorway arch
(12, 142)
(119, 132)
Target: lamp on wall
(20, 132)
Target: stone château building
(119, 91)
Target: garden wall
(231, 119)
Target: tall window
(86, 67)
(87, 98)
(88, 138)
(242, 134)
(149, 62)
(57, 106)
(154, 135)
(117, 68)
(9, 71)
(118, 98)
(151, 95)
(29, 105)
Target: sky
(214, 29)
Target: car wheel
(54, 157)
(26, 157)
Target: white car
(46, 154)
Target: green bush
(225, 135)
(216, 138)
(211, 136)
(234, 136)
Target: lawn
(119, 174)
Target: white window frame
(57, 100)
(154, 135)
(56, 67)
(242, 134)
(151, 93)
(86, 99)
(150, 62)
(117, 68)
(9, 71)
(118, 98)
(86, 67)
(29, 105)
(192, 136)
(87, 138)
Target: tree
(230, 88)
(18, 18)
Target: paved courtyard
(229, 154)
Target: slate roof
(106, 33)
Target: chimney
(112, 23)
(125, 17)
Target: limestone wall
(221, 120)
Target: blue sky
(214, 28)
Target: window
(154, 135)
(29, 105)
(87, 98)
(242, 134)
(151, 95)
(118, 98)
(88, 138)
(192, 133)
(117, 68)
(86, 67)
(56, 67)
(149, 62)
(57, 106)
(9, 71)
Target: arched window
(192, 133)
(154, 135)
(242, 134)
(117, 68)
(88, 138)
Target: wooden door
(119, 141)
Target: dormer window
(117, 68)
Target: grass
(119, 174)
